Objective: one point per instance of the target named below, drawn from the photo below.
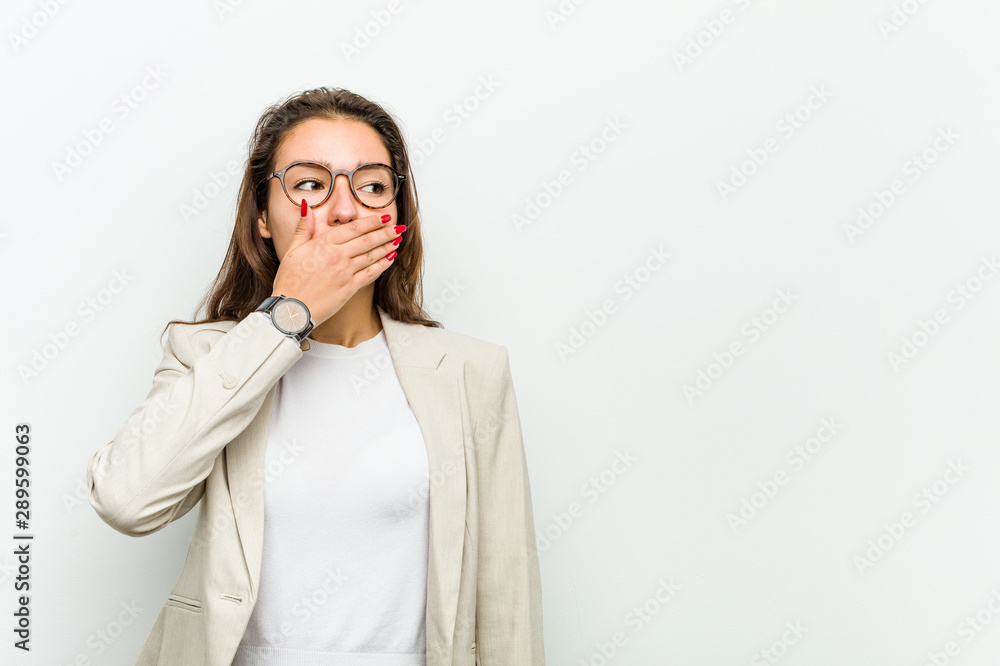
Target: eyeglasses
(374, 185)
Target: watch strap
(269, 304)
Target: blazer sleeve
(508, 589)
(153, 470)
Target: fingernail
(305, 207)
(399, 228)
(386, 218)
(396, 242)
(390, 255)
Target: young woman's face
(341, 143)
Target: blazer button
(473, 646)
(227, 381)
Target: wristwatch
(289, 315)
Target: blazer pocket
(177, 601)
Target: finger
(365, 246)
(310, 219)
(305, 227)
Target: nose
(341, 206)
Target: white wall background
(903, 95)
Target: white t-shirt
(343, 575)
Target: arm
(508, 589)
(153, 471)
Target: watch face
(291, 316)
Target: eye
(309, 185)
(374, 186)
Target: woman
(362, 478)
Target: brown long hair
(247, 274)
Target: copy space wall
(743, 254)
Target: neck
(356, 322)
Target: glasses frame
(280, 175)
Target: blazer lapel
(434, 397)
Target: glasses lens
(307, 181)
(375, 185)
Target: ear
(262, 225)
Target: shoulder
(440, 345)
(476, 358)
(484, 366)
(465, 347)
(435, 347)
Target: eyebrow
(330, 166)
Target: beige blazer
(200, 436)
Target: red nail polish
(305, 207)
(386, 218)
(399, 228)
(396, 242)
(390, 255)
